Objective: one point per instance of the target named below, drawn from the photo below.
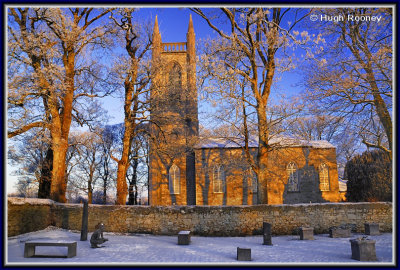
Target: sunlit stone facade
(187, 170)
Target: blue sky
(173, 25)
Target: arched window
(323, 177)
(174, 179)
(175, 77)
(218, 179)
(293, 177)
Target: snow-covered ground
(143, 249)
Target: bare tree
(256, 38)
(133, 73)
(51, 43)
(316, 124)
(138, 171)
(88, 162)
(26, 188)
(353, 75)
(30, 155)
(108, 140)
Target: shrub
(369, 177)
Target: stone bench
(30, 247)
(243, 254)
(184, 238)
(335, 232)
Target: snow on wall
(33, 201)
(201, 220)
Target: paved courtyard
(144, 249)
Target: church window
(323, 177)
(218, 179)
(174, 179)
(175, 77)
(293, 177)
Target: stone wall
(238, 180)
(201, 220)
(27, 215)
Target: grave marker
(339, 232)
(363, 249)
(371, 228)
(243, 254)
(267, 234)
(184, 238)
(84, 228)
(306, 233)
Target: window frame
(221, 178)
(292, 172)
(176, 180)
(325, 184)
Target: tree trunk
(122, 187)
(61, 123)
(357, 45)
(262, 155)
(105, 191)
(123, 163)
(58, 183)
(121, 183)
(132, 200)
(90, 192)
(105, 176)
(381, 108)
(136, 194)
(45, 181)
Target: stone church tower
(174, 121)
(187, 170)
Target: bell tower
(174, 120)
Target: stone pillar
(267, 234)
(85, 215)
(363, 250)
(243, 254)
(184, 238)
(306, 233)
(371, 228)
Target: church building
(185, 169)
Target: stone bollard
(85, 215)
(363, 249)
(243, 254)
(267, 234)
(306, 233)
(338, 232)
(184, 238)
(371, 228)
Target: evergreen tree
(369, 177)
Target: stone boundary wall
(25, 215)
